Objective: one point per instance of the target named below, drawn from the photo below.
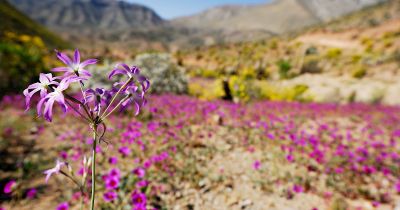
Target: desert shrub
(359, 72)
(22, 58)
(311, 65)
(208, 73)
(311, 51)
(164, 75)
(284, 67)
(242, 90)
(207, 91)
(368, 43)
(248, 73)
(356, 58)
(333, 53)
(289, 93)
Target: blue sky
(174, 8)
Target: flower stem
(93, 167)
(115, 96)
(115, 108)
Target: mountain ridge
(112, 21)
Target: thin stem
(115, 96)
(80, 103)
(93, 167)
(74, 180)
(80, 114)
(123, 100)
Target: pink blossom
(9, 186)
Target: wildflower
(115, 172)
(125, 151)
(63, 206)
(9, 186)
(74, 67)
(113, 160)
(398, 186)
(142, 183)
(98, 97)
(110, 196)
(138, 199)
(131, 72)
(298, 189)
(112, 183)
(290, 158)
(49, 99)
(140, 172)
(55, 170)
(257, 165)
(31, 194)
(134, 97)
(45, 81)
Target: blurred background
(240, 52)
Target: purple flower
(142, 183)
(54, 170)
(98, 97)
(140, 172)
(298, 189)
(125, 151)
(110, 196)
(74, 67)
(257, 165)
(135, 97)
(133, 72)
(63, 206)
(113, 160)
(9, 186)
(115, 172)
(290, 158)
(45, 81)
(398, 186)
(112, 183)
(31, 194)
(49, 99)
(138, 199)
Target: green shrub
(284, 68)
(333, 53)
(22, 58)
(359, 72)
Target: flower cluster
(54, 89)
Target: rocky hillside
(238, 23)
(89, 14)
(13, 20)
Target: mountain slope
(84, 15)
(13, 20)
(278, 17)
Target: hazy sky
(175, 8)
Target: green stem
(93, 167)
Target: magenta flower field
(184, 153)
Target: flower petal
(115, 72)
(77, 56)
(61, 69)
(64, 58)
(88, 62)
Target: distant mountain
(119, 23)
(63, 15)
(15, 21)
(278, 17)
